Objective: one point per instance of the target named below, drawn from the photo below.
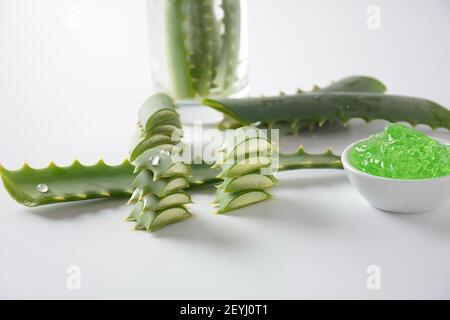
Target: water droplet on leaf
(43, 188)
(155, 161)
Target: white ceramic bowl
(398, 195)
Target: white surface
(398, 195)
(67, 93)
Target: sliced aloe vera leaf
(152, 202)
(161, 163)
(141, 143)
(74, 183)
(251, 181)
(252, 164)
(233, 201)
(161, 188)
(152, 220)
(157, 109)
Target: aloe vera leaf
(226, 71)
(251, 181)
(65, 184)
(79, 182)
(232, 201)
(200, 28)
(310, 109)
(347, 84)
(177, 54)
(145, 181)
(161, 163)
(152, 221)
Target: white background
(69, 93)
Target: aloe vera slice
(251, 147)
(167, 129)
(157, 109)
(172, 200)
(152, 221)
(233, 201)
(243, 134)
(161, 163)
(247, 149)
(252, 164)
(141, 143)
(152, 202)
(252, 181)
(161, 188)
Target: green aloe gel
(401, 153)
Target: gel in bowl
(398, 195)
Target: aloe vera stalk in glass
(198, 48)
